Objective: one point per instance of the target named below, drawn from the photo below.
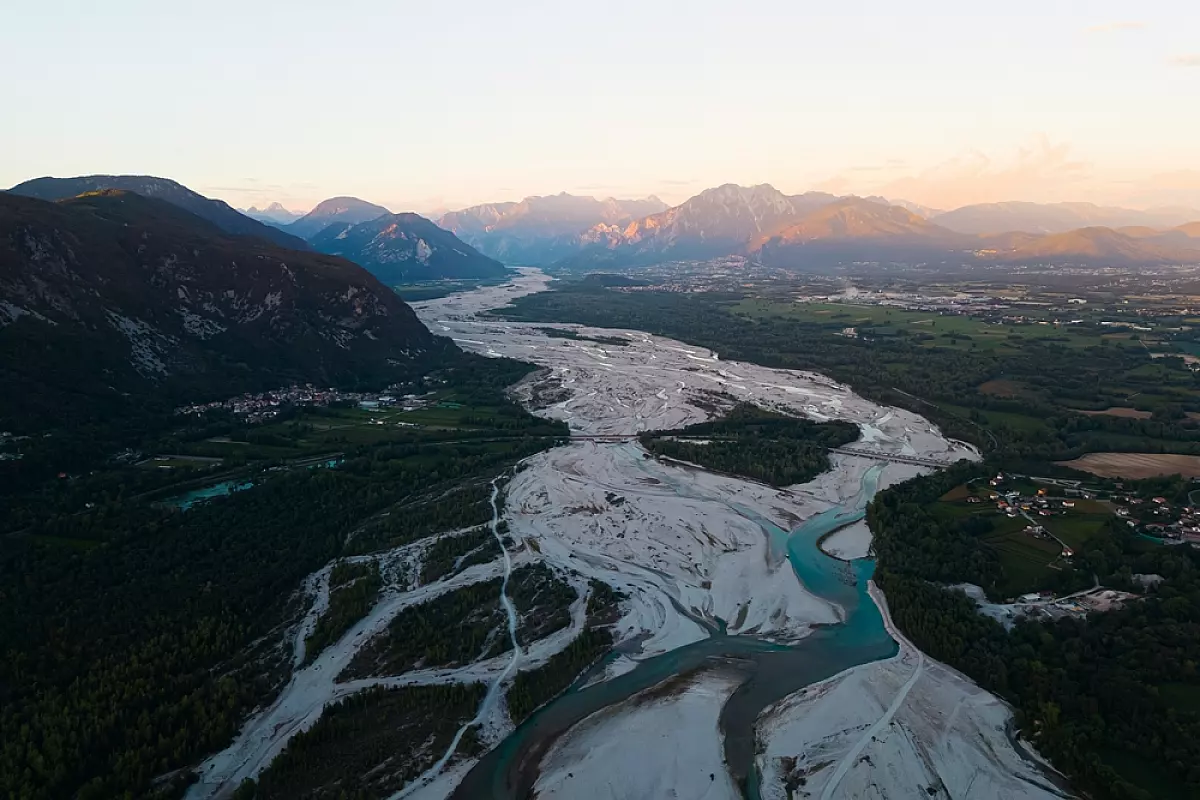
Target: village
(265, 406)
(1045, 523)
(1153, 517)
(1159, 519)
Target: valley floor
(691, 550)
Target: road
(892, 457)
(869, 735)
(1033, 521)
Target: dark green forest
(757, 444)
(370, 744)
(532, 688)
(1114, 699)
(126, 625)
(451, 554)
(466, 625)
(535, 687)
(353, 589)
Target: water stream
(493, 692)
(188, 499)
(773, 671)
(615, 400)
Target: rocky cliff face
(717, 222)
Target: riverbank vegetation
(563, 333)
(353, 590)
(543, 601)
(183, 611)
(419, 291)
(1111, 698)
(449, 555)
(451, 630)
(467, 625)
(371, 744)
(533, 688)
(755, 443)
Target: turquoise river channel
(773, 671)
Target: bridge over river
(874, 455)
(897, 458)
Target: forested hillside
(117, 308)
(1114, 699)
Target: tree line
(1114, 699)
(370, 744)
(755, 443)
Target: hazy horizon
(438, 210)
(429, 108)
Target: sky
(432, 105)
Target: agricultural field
(1138, 384)
(1076, 529)
(955, 331)
(1118, 411)
(1027, 561)
(315, 431)
(1136, 465)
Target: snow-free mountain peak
(398, 248)
(274, 214)
(348, 210)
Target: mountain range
(814, 229)
(407, 247)
(1095, 245)
(803, 231)
(859, 229)
(541, 230)
(112, 299)
(992, 218)
(817, 229)
(215, 211)
(274, 214)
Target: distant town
(265, 406)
